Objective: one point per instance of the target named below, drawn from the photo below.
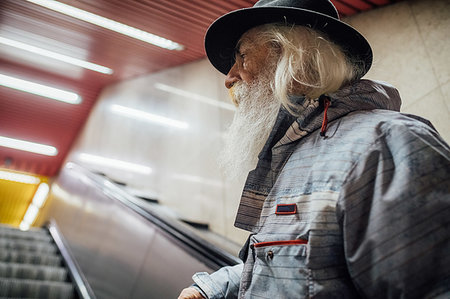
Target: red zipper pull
(327, 104)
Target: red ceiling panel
(357, 5)
(34, 118)
(381, 2)
(344, 9)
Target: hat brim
(222, 36)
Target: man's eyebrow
(243, 44)
(241, 50)
(237, 49)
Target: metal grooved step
(31, 266)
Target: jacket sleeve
(394, 213)
(224, 283)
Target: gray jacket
(360, 212)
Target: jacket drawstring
(326, 102)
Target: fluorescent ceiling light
(113, 163)
(41, 195)
(18, 177)
(40, 90)
(137, 114)
(193, 96)
(28, 146)
(197, 179)
(33, 209)
(30, 214)
(57, 56)
(24, 226)
(109, 24)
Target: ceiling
(37, 119)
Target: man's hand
(190, 293)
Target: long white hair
(308, 63)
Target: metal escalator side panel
(81, 284)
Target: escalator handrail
(215, 256)
(81, 284)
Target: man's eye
(240, 55)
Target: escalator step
(25, 235)
(35, 272)
(29, 258)
(36, 246)
(36, 289)
(37, 230)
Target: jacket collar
(288, 130)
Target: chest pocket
(279, 270)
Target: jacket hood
(362, 95)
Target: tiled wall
(411, 43)
(411, 47)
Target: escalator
(107, 244)
(35, 264)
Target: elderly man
(347, 198)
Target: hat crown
(320, 15)
(321, 6)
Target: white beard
(251, 126)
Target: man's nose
(232, 77)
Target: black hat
(321, 15)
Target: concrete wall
(411, 46)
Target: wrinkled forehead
(249, 39)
